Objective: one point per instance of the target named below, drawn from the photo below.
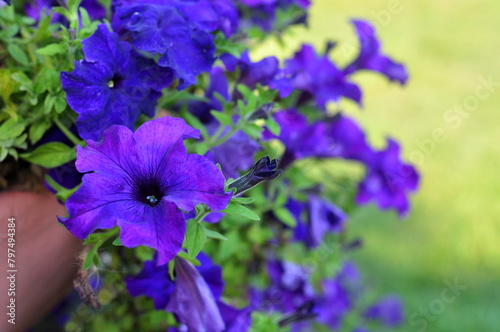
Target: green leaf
(37, 130)
(245, 91)
(18, 54)
(215, 235)
(11, 129)
(59, 104)
(273, 126)
(23, 80)
(285, 216)
(243, 200)
(64, 194)
(234, 208)
(223, 118)
(85, 18)
(184, 255)
(101, 236)
(195, 238)
(171, 269)
(253, 130)
(48, 103)
(90, 256)
(117, 242)
(50, 155)
(51, 49)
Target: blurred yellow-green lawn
(447, 119)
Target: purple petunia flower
(139, 181)
(251, 73)
(112, 85)
(338, 296)
(388, 180)
(388, 310)
(317, 76)
(211, 15)
(337, 137)
(370, 57)
(324, 217)
(301, 140)
(161, 28)
(289, 287)
(194, 295)
(192, 300)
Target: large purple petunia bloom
(160, 28)
(113, 85)
(194, 295)
(140, 181)
(388, 180)
(317, 76)
(371, 58)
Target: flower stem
(202, 214)
(68, 133)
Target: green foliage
(50, 155)
(265, 322)
(195, 237)
(31, 98)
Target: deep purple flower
(251, 73)
(112, 85)
(388, 310)
(317, 76)
(371, 58)
(235, 155)
(348, 139)
(211, 15)
(324, 217)
(388, 180)
(162, 29)
(338, 296)
(192, 300)
(289, 287)
(301, 140)
(194, 295)
(139, 181)
(337, 137)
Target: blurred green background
(447, 121)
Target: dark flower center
(115, 81)
(149, 191)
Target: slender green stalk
(68, 133)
